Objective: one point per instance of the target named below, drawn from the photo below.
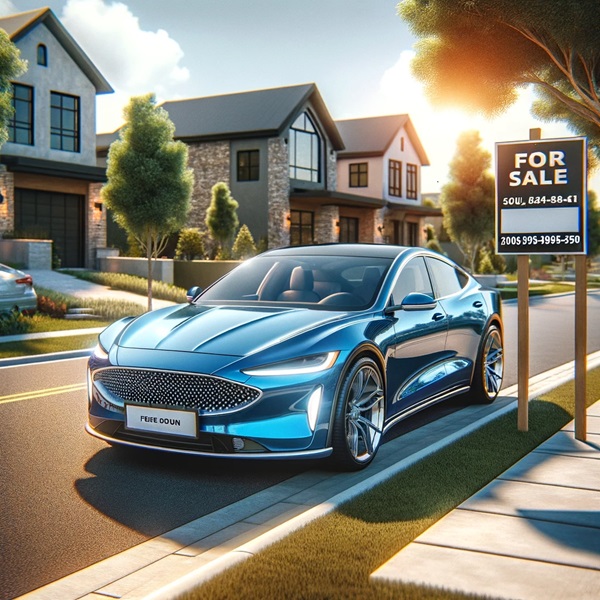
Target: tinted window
(326, 282)
(445, 277)
(413, 278)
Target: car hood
(223, 330)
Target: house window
(305, 150)
(248, 165)
(402, 144)
(20, 126)
(359, 174)
(64, 122)
(395, 178)
(42, 55)
(411, 182)
(302, 227)
(348, 230)
(412, 234)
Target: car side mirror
(413, 301)
(193, 293)
(418, 301)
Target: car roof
(364, 250)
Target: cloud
(8, 8)
(133, 61)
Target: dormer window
(42, 55)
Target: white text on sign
(546, 168)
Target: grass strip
(131, 283)
(47, 345)
(334, 556)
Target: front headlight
(100, 352)
(297, 366)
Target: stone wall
(279, 194)
(27, 254)
(7, 206)
(211, 162)
(326, 224)
(96, 223)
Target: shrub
(190, 244)
(244, 246)
(13, 323)
(53, 308)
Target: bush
(190, 244)
(13, 323)
(52, 308)
(244, 246)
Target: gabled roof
(259, 113)
(372, 136)
(19, 25)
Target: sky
(357, 52)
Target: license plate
(161, 420)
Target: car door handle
(438, 316)
(478, 304)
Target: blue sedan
(300, 352)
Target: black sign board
(541, 197)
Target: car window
(413, 278)
(447, 280)
(327, 281)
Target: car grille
(184, 390)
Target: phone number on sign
(532, 240)
(539, 200)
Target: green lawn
(334, 556)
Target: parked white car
(16, 291)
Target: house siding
(64, 76)
(252, 196)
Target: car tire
(489, 368)
(359, 416)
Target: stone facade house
(382, 158)
(276, 149)
(49, 180)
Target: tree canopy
(149, 184)
(11, 66)
(468, 197)
(479, 53)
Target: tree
(221, 217)
(478, 53)
(11, 66)
(468, 197)
(149, 184)
(244, 246)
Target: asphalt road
(68, 500)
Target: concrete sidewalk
(532, 534)
(171, 564)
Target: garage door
(54, 216)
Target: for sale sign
(541, 197)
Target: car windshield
(320, 282)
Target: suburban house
(382, 158)
(277, 151)
(298, 176)
(49, 179)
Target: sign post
(541, 202)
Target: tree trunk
(149, 255)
